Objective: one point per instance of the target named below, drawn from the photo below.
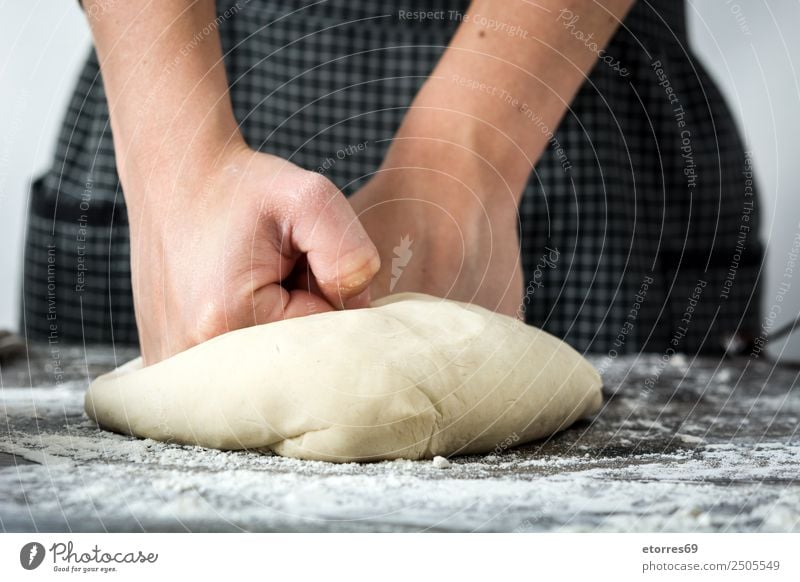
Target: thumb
(339, 252)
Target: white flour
(91, 479)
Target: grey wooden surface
(713, 446)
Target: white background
(422, 556)
(751, 48)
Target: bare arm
(512, 68)
(218, 231)
(166, 86)
(458, 165)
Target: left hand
(435, 236)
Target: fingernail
(360, 267)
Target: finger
(341, 255)
(274, 303)
(301, 278)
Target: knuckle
(318, 188)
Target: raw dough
(412, 377)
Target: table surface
(712, 447)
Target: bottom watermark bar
(401, 557)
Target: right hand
(460, 246)
(250, 239)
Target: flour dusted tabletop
(684, 445)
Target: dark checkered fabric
(638, 227)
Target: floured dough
(412, 377)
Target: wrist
(179, 171)
(459, 140)
(434, 194)
(453, 170)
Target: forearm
(166, 87)
(490, 106)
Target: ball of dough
(412, 377)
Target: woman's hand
(249, 239)
(445, 201)
(222, 237)
(434, 236)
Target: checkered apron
(638, 226)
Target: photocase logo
(402, 255)
(31, 555)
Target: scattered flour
(679, 361)
(690, 439)
(139, 484)
(441, 462)
(88, 479)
